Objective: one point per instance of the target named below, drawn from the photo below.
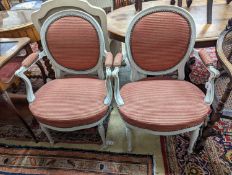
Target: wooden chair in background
(223, 85)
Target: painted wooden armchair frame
(221, 108)
(98, 69)
(137, 73)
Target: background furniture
(156, 46)
(17, 23)
(206, 34)
(223, 86)
(9, 63)
(107, 5)
(138, 7)
(84, 101)
(27, 4)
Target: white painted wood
(193, 139)
(45, 130)
(214, 73)
(56, 16)
(102, 3)
(21, 73)
(117, 95)
(101, 131)
(129, 138)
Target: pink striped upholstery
(205, 57)
(8, 70)
(160, 40)
(70, 102)
(74, 43)
(30, 59)
(163, 105)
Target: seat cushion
(70, 102)
(163, 105)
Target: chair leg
(209, 11)
(129, 137)
(173, 2)
(189, 3)
(193, 139)
(45, 130)
(12, 106)
(101, 131)
(180, 3)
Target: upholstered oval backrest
(73, 43)
(159, 40)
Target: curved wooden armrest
(25, 66)
(214, 73)
(205, 58)
(225, 62)
(117, 95)
(118, 60)
(29, 60)
(109, 59)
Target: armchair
(74, 42)
(223, 85)
(156, 46)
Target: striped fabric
(205, 57)
(159, 41)
(74, 43)
(163, 105)
(8, 70)
(29, 60)
(70, 102)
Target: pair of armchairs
(159, 41)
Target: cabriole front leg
(129, 137)
(45, 130)
(101, 131)
(193, 138)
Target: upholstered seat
(70, 102)
(153, 105)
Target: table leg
(209, 11)
(138, 5)
(189, 3)
(173, 2)
(11, 105)
(180, 3)
(208, 130)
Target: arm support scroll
(27, 63)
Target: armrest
(108, 65)
(118, 60)
(214, 73)
(109, 59)
(20, 73)
(117, 63)
(29, 60)
(204, 56)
